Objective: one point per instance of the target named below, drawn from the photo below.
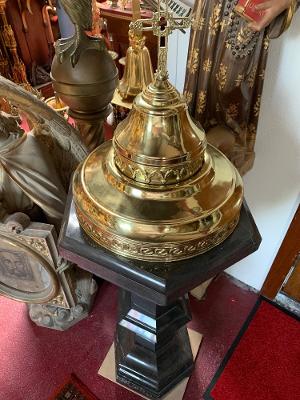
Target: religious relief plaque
(57, 292)
(27, 263)
(18, 267)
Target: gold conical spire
(158, 192)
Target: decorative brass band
(157, 175)
(154, 252)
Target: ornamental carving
(157, 175)
(38, 245)
(160, 252)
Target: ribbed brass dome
(158, 192)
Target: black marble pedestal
(153, 352)
(152, 346)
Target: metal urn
(158, 192)
(84, 74)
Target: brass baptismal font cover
(158, 192)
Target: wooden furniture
(11, 65)
(284, 274)
(153, 352)
(35, 32)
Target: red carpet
(73, 389)
(35, 361)
(264, 361)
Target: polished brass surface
(158, 143)
(56, 104)
(158, 192)
(165, 224)
(138, 72)
(118, 101)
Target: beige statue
(28, 176)
(35, 168)
(35, 172)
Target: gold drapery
(225, 76)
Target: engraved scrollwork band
(154, 252)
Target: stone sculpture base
(54, 316)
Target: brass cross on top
(162, 23)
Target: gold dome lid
(158, 192)
(157, 204)
(158, 143)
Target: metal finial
(162, 24)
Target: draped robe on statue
(28, 178)
(225, 75)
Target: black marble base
(162, 283)
(153, 351)
(152, 347)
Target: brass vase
(84, 74)
(87, 88)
